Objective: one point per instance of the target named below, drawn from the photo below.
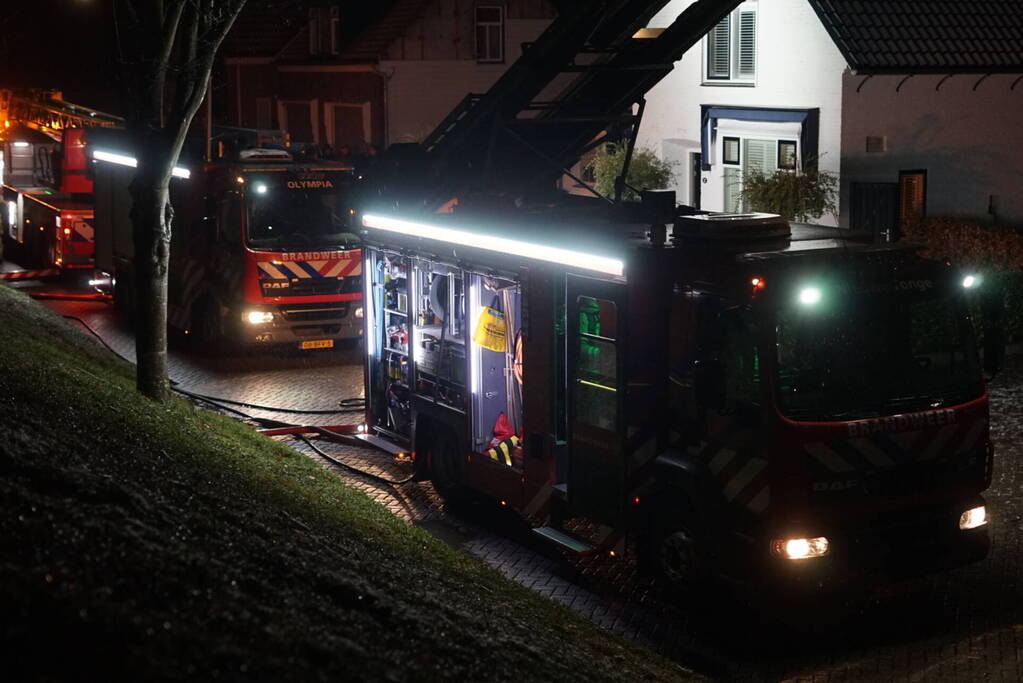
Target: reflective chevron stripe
(885, 451)
(731, 459)
(82, 230)
(286, 270)
(30, 274)
(502, 452)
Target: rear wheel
(447, 466)
(206, 335)
(124, 294)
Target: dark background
(64, 45)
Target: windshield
(282, 219)
(880, 356)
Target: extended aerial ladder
(580, 83)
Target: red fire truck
(734, 396)
(262, 251)
(736, 400)
(47, 217)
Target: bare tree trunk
(151, 215)
(176, 40)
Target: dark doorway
(874, 208)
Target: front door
(695, 179)
(596, 471)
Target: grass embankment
(148, 542)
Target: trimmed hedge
(996, 252)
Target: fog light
(801, 548)
(358, 312)
(258, 317)
(973, 518)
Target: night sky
(63, 45)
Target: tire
(447, 466)
(207, 336)
(124, 295)
(679, 554)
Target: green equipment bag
(491, 329)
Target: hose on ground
(347, 405)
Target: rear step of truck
(381, 444)
(565, 540)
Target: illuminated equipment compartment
(387, 343)
(429, 350)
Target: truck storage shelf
(394, 312)
(434, 330)
(400, 353)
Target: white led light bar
(503, 245)
(123, 160)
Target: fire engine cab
(262, 251)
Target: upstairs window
(489, 33)
(324, 23)
(731, 48)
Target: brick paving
(963, 626)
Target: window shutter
(761, 155)
(747, 45)
(718, 49)
(733, 186)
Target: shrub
(802, 196)
(996, 252)
(647, 171)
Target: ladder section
(579, 78)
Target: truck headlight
(358, 312)
(801, 548)
(258, 317)
(973, 518)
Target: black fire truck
(730, 394)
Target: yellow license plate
(318, 344)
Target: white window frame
(747, 11)
(494, 53)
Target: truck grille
(315, 313)
(316, 286)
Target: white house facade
(762, 91)
(769, 89)
(933, 145)
(452, 49)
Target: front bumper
(897, 547)
(296, 324)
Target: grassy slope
(143, 541)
